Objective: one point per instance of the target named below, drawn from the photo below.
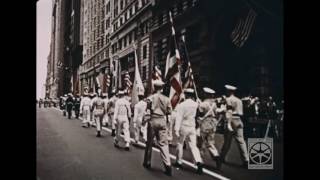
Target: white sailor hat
(120, 92)
(69, 94)
(208, 90)
(229, 87)
(189, 90)
(65, 95)
(158, 83)
(105, 94)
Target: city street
(65, 150)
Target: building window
(130, 37)
(144, 52)
(121, 5)
(136, 6)
(130, 12)
(125, 41)
(144, 73)
(120, 44)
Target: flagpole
(172, 29)
(187, 56)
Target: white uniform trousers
(188, 133)
(123, 126)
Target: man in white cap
(85, 107)
(208, 125)
(234, 113)
(122, 113)
(105, 117)
(93, 98)
(139, 112)
(160, 107)
(110, 111)
(98, 107)
(185, 129)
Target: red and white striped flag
(107, 76)
(189, 78)
(172, 72)
(242, 30)
(127, 81)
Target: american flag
(243, 28)
(107, 76)
(127, 81)
(188, 77)
(106, 80)
(172, 68)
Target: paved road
(65, 150)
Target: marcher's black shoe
(177, 165)
(219, 162)
(245, 165)
(168, 170)
(127, 148)
(98, 134)
(200, 168)
(147, 166)
(116, 145)
(113, 133)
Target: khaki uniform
(110, 110)
(208, 127)
(98, 111)
(122, 113)
(185, 128)
(139, 111)
(233, 117)
(157, 127)
(105, 117)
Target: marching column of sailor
(193, 122)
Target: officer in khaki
(185, 129)
(98, 107)
(208, 124)
(122, 113)
(105, 117)
(235, 126)
(110, 111)
(157, 127)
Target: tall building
(96, 30)
(207, 26)
(93, 38)
(56, 63)
(130, 26)
(73, 45)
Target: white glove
(177, 133)
(198, 131)
(229, 127)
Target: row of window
(131, 37)
(128, 14)
(96, 59)
(177, 9)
